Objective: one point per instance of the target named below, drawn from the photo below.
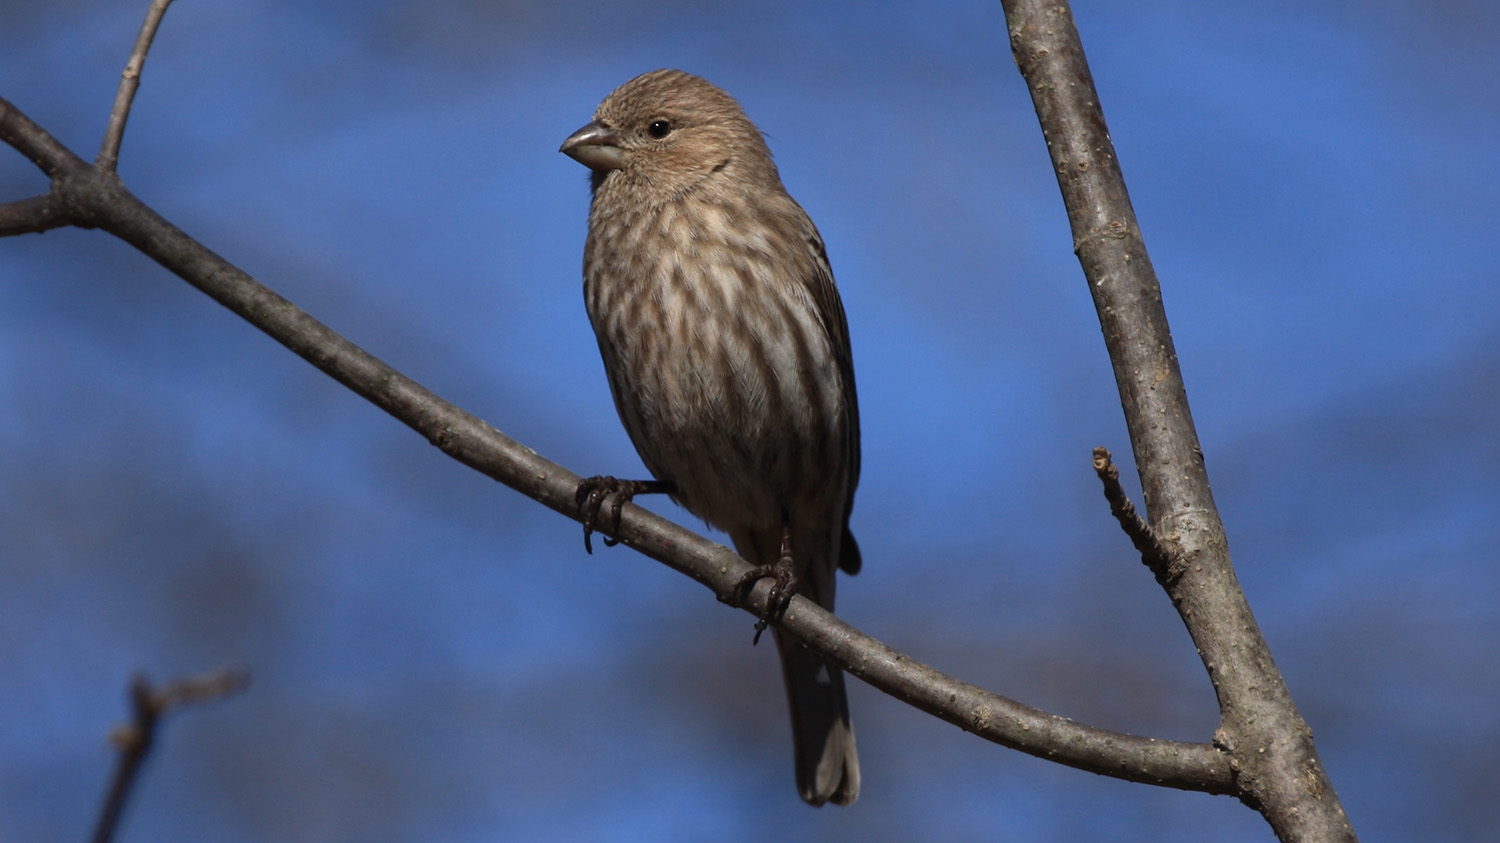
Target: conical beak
(596, 146)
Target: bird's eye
(659, 129)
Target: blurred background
(434, 656)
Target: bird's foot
(590, 499)
(784, 576)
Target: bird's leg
(784, 574)
(590, 499)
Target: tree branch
(135, 739)
(95, 197)
(1141, 535)
(48, 153)
(33, 216)
(130, 80)
(1277, 767)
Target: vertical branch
(130, 80)
(134, 742)
(1279, 773)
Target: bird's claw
(784, 584)
(590, 497)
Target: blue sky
(434, 656)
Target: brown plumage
(727, 352)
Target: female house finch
(727, 352)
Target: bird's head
(666, 133)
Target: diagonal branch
(37, 144)
(1278, 770)
(95, 197)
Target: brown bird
(727, 352)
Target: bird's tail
(822, 738)
(827, 763)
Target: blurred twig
(135, 739)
